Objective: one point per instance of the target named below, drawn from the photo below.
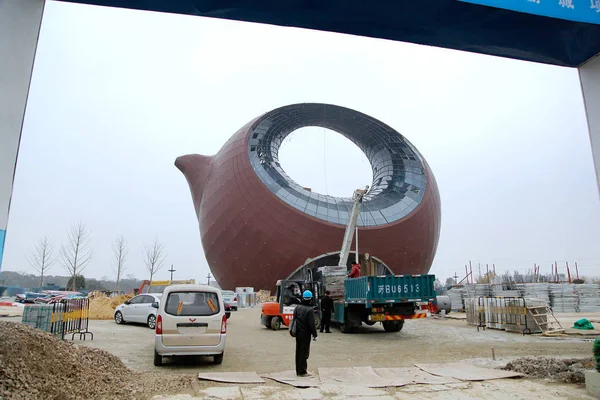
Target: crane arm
(349, 234)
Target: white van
(191, 321)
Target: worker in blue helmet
(304, 316)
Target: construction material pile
(334, 278)
(264, 296)
(103, 307)
(535, 290)
(478, 290)
(563, 297)
(570, 370)
(500, 291)
(456, 295)
(588, 296)
(36, 365)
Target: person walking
(326, 311)
(304, 316)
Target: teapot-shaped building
(257, 225)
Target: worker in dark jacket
(290, 297)
(326, 311)
(304, 316)
(355, 271)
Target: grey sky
(117, 95)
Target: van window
(189, 304)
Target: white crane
(350, 228)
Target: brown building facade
(257, 225)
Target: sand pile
(36, 365)
(570, 370)
(103, 307)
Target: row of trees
(30, 280)
(75, 255)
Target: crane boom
(349, 234)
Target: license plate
(378, 317)
(192, 330)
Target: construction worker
(355, 271)
(304, 316)
(326, 311)
(290, 297)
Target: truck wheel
(268, 322)
(345, 329)
(317, 322)
(399, 325)
(389, 326)
(275, 323)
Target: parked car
(191, 322)
(139, 309)
(230, 298)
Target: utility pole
(208, 279)
(171, 271)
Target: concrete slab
(384, 397)
(231, 377)
(290, 378)
(174, 397)
(411, 375)
(260, 392)
(352, 376)
(343, 392)
(300, 394)
(466, 372)
(222, 393)
(592, 383)
(430, 388)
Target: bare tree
(153, 258)
(78, 252)
(120, 251)
(42, 258)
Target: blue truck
(388, 299)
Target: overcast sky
(117, 95)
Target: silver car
(191, 322)
(141, 309)
(230, 298)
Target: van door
(130, 310)
(192, 318)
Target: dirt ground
(252, 347)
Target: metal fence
(68, 317)
(247, 299)
(505, 313)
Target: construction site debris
(36, 365)
(264, 296)
(570, 370)
(103, 307)
(334, 277)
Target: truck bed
(389, 288)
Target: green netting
(583, 323)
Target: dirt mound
(36, 365)
(570, 370)
(103, 307)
